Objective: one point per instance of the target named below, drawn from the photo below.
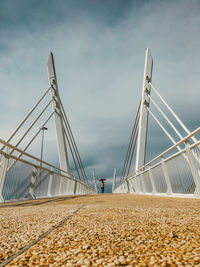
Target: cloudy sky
(99, 51)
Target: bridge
(53, 215)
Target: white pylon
(114, 179)
(95, 180)
(144, 114)
(62, 148)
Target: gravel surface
(21, 225)
(110, 230)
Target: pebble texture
(21, 225)
(110, 230)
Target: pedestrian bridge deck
(107, 230)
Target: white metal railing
(170, 173)
(34, 178)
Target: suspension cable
(163, 128)
(171, 124)
(127, 158)
(31, 111)
(173, 113)
(73, 141)
(70, 143)
(132, 153)
(19, 156)
(32, 124)
(72, 154)
(68, 135)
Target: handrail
(185, 139)
(169, 149)
(31, 156)
(43, 168)
(167, 159)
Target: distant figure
(102, 187)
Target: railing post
(50, 183)
(94, 178)
(137, 177)
(78, 188)
(127, 186)
(84, 190)
(33, 181)
(60, 186)
(132, 189)
(139, 183)
(114, 180)
(166, 175)
(143, 184)
(81, 190)
(152, 181)
(71, 186)
(75, 185)
(125, 189)
(3, 170)
(193, 168)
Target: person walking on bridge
(102, 187)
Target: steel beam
(62, 148)
(152, 181)
(166, 176)
(33, 182)
(3, 171)
(95, 181)
(144, 114)
(114, 179)
(194, 169)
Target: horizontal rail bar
(137, 173)
(43, 168)
(167, 159)
(30, 156)
(170, 149)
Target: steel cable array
(131, 147)
(72, 145)
(67, 132)
(172, 112)
(134, 134)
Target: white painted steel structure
(95, 180)
(24, 176)
(26, 173)
(62, 148)
(172, 172)
(143, 120)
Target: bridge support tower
(62, 148)
(144, 114)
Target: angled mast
(61, 142)
(144, 113)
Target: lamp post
(42, 145)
